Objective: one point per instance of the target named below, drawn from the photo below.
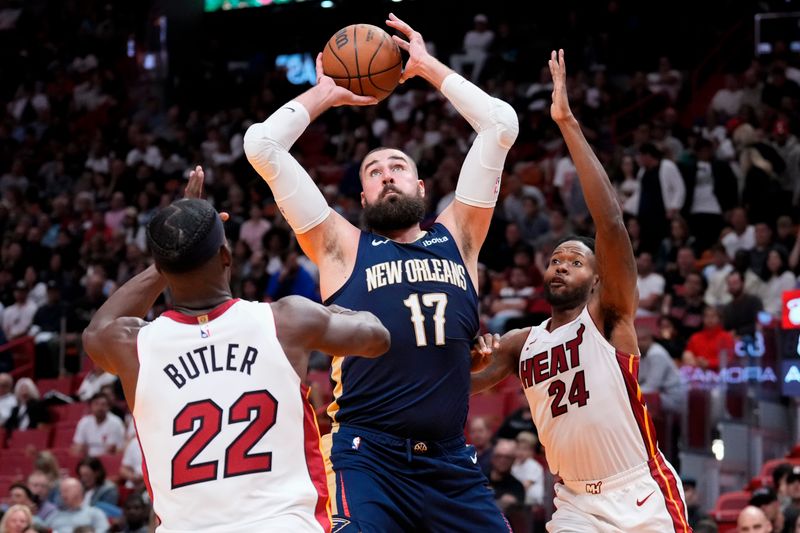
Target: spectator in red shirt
(704, 347)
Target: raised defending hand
(415, 46)
(559, 109)
(339, 95)
(194, 189)
(481, 354)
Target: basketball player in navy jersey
(579, 368)
(216, 384)
(398, 455)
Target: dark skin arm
(614, 306)
(110, 338)
(504, 353)
(303, 326)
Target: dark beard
(568, 299)
(396, 213)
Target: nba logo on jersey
(205, 332)
(594, 488)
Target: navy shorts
(385, 484)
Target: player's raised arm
(332, 329)
(497, 126)
(616, 265)
(502, 354)
(319, 230)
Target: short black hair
(781, 471)
(24, 488)
(182, 236)
(97, 396)
(96, 466)
(588, 241)
(651, 150)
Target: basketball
(363, 59)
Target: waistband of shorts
(387, 439)
(600, 486)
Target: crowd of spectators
(90, 148)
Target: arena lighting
(326, 4)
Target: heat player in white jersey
(229, 439)
(579, 368)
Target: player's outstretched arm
(502, 354)
(497, 126)
(615, 262)
(322, 233)
(332, 329)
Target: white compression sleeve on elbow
(266, 145)
(497, 126)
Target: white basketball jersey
(229, 440)
(585, 401)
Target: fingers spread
(402, 43)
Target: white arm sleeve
(497, 126)
(267, 148)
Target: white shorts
(647, 498)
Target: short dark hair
(588, 241)
(25, 489)
(185, 235)
(96, 466)
(98, 395)
(781, 471)
(651, 150)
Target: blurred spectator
(136, 515)
(628, 186)
(8, 401)
(661, 196)
(74, 512)
(527, 469)
(741, 235)
(253, 229)
(18, 317)
(650, 285)
(477, 42)
(41, 487)
(694, 511)
(30, 412)
(679, 237)
(704, 347)
(508, 491)
(97, 488)
(788, 149)
(658, 373)
(765, 499)
(741, 313)
(292, 279)
(763, 245)
(47, 324)
(711, 191)
(793, 489)
(20, 494)
(728, 99)
(676, 274)
(752, 520)
(518, 421)
(512, 301)
(17, 519)
(761, 166)
(534, 223)
(707, 525)
(480, 437)
(667, 336)
(94, 381)
(786, 235)
(666, 80)
(718, 293)
(100, 432)
(779, 476)
(778, 279)
(565, 179)
(778, 87)
(686, 306)
(515, 194)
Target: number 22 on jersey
(259, 408)
(436, 300)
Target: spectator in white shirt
(253, 229)
(728, 100)
(131, 467)
(7, 399)
(95, 380)
(650, 285)
(779, 279)
(741, 236)
(477, 42)
(527, 469)
(18, 317)
(100, 432)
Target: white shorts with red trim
(646, 499)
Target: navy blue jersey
(422, 293)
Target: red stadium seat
(67, 462)
(16, 463)
(63, 432)
(62, 385)
(111, 463)
(36, 438)
(728, 506)
(769, 466)
(795, 451)
(489, 405)
(70, 412)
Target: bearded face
(394, 210)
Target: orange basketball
(364, 59)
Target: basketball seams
(355, 59)
(344, 65)
(368, 75)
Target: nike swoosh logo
(474, 458)
(376, 242)
(290, 108)
(639, 503)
